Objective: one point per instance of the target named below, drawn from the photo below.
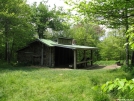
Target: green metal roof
(76, 47)
(52, 44)
(47, 42)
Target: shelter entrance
(63, 56)
(82, 60)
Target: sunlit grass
(105, 63)
(40, 84)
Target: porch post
(84, 54)
(91, 57)
(75, 59)
(42, 55)
(84, 58)
(50, 57)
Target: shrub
(99, 96)
(127, 68)
(120, 88)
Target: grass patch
(105, 63)
(40, 84)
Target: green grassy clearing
(40, 84)
(105, 63)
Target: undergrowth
(44, 84)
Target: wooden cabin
(53, 54)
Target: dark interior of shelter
(63, 56)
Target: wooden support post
(84, 58)
(91, 57)
(84, 54)
(53, 56)
(75, 66)
(50, 57)
(76, 56)
(42, 55)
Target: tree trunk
(127, 53)
(7, 49)
(7, 54)
(132, 59)
(127, 39)
(40, 32)
(12, 48)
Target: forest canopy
(21, 23)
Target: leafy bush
(101, 97)
(127, 68)
(120, 88)
(110, 48)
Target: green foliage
(130, 35)
(127, 68)
(36, 83)
(119, 88)
(101, 97)
(15, 26)
(85, 34)
(112, 47)
(112, 13)
(43, 17)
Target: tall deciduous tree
(111, 47)
(14, 21)
(130, 33)
(44, 17)
(113, 13)
(85, 34)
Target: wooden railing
(81, 62)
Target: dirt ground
(114, 66)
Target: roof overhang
(54, 44)
(76, 47)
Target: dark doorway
(63, 56)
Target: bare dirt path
(114, 66)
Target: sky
(50, 2)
